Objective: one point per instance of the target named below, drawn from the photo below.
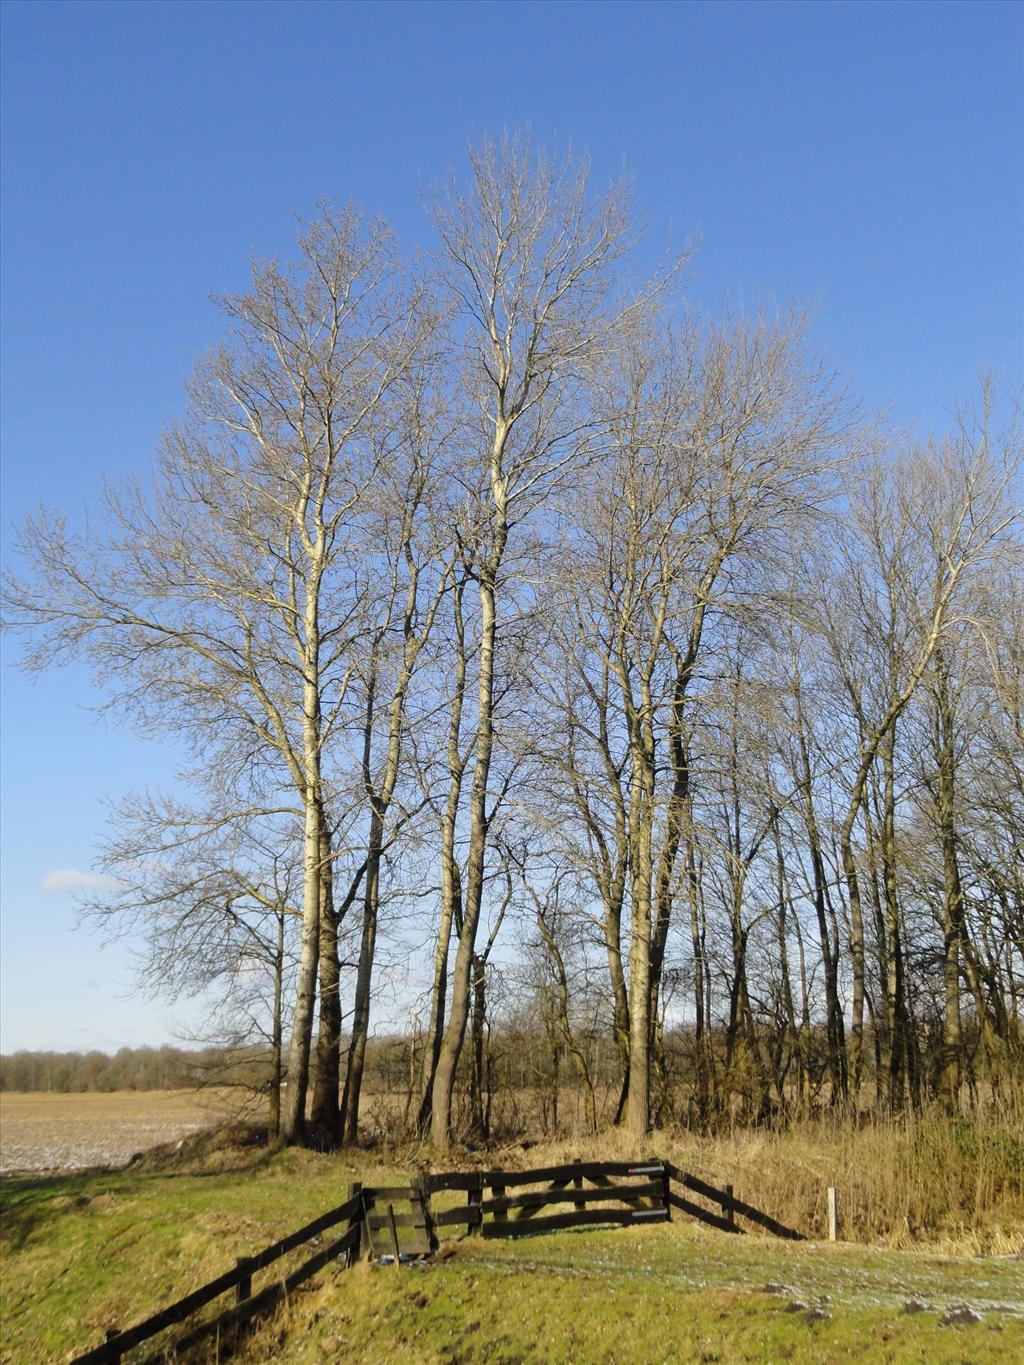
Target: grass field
(672, 1293)
(86, 1251)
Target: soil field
(48, 1133)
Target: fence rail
(616, 1193)
(731, 1206)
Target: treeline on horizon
(129, 1068)
(546, 650)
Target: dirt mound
(228, 1146)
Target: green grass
(670, 1293)
(84, 1253)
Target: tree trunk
(450, 912)
(834, 1025)
(701, 1077)
(451, 876)
(274, 1117)
(477, 1118)
(364, 975)
(324, 1111)
(856, 933)
(638, 1100)
(451, 1047)
(953, 922)
(895, 984)
(294, 1129)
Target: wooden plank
(383, 1221)
(396, 1245)
(344, 1212)
(698, 1186)
(355, 1193)
(538, 1198)
(366, 1242)
(422, 1202)
(577, 1182)
(167, 1317)
(634, 1203)
(530, 1209)
(498, 1192)
(726, 1200)
(452, 1180)
(666, 1189)
(765, 1221)
(715, 1220)
(587, 1169)
(585, 1218)
(464, 1180)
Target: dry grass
(952, 1185)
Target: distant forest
(130, 1068)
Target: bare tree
(206, 895)
(529, 260)
(227, 597)
(923, 529)
(722, 439)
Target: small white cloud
(70, 879)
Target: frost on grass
(961, 1315)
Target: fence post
(730, 1212)
(474, 1198)
(666, 1187)
(577, 1184)
(833, 1213)
(243, 1289)
(362, 1214)
(421, 1190)
(497, 1192)
(355, 1221)
(109, 1335)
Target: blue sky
(866, 159)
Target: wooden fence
(640, 1186)
(497, 1204)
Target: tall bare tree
(923, 528)
(721, 440)
(529, 259)
(226, 597)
